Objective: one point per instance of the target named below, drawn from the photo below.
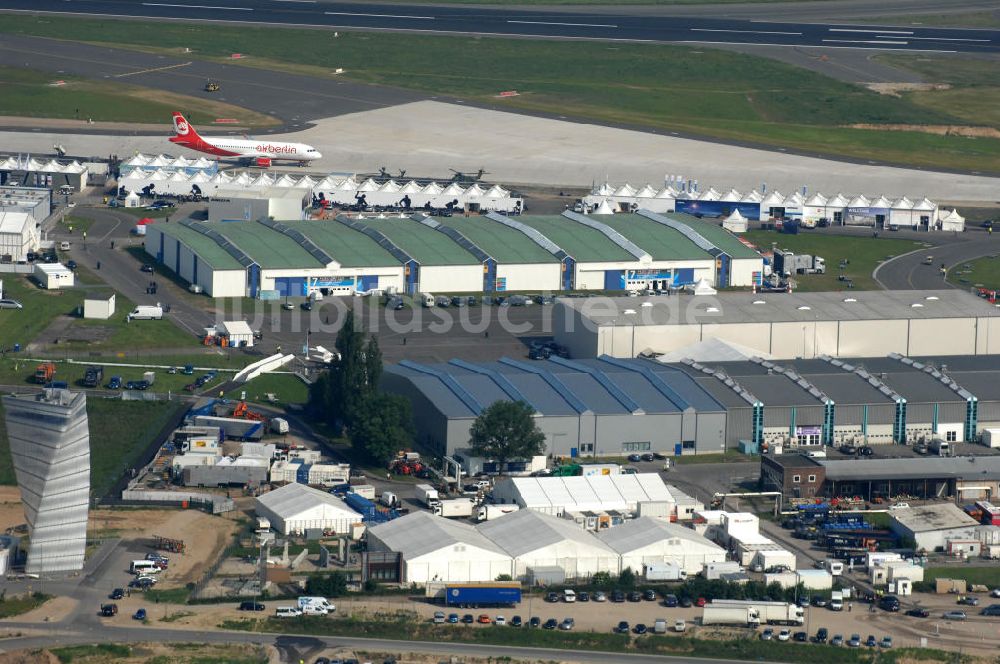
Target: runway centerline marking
(146, 71)
(165, 4)
(574, 25)
(307, 2)
(956, 39)
(747, 32)
(855, 41)
(421, 18)
(881, 32)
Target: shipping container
(475, 595)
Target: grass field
(863, 252)
(973, 94)
(32, 93)
(987, 576)
(678, 88)
(287, 388)
(162, 653)
(985, 271)
(42, 307)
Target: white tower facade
(50, 445)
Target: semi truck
(428, 495)
(93, 376)
(487, 512)
(456, 508)
(752, 613)
(476, 595)
(787, 263)
(44, 372)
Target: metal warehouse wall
(570, 330)
(451, 278)
(803, 339)
(928, 336)
(742, 271)
(222, 283)
(739, 426)
(781, 416)
(988, 336)
(530, 276)
(431, 425)
(710, 435)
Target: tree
(382, 425)
(627, 578)
(507, 430)
(327, 585)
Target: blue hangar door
(614, 279)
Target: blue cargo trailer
(475, 595)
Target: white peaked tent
(735, 222)
(702, 287)
(951, 221)
(604, 208)
(132, 200)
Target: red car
(485, 619)
(701, 601)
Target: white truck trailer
(428, 495)
(771, 613)
(668, 571)
(455, 508)
(487, 512)
(739, 616)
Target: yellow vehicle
(211, 86)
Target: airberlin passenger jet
(262, 152)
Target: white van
(287, 612)
(315, 606)
(146, 312)
(569, 596)
(64, 246)
(834, 567)
(426, 299)
(144, 567)
(388, 499)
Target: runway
(621, 25)
(292, 98)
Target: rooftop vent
(804, 307)
(917, 305)
(850, 299)
(760, 302)
(712, 310)
(932, 297)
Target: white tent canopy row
(337, 190)
(896, 211)
(169, 163)
(36, 166)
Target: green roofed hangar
(417, 253)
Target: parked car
(567, 624)
(551, 623)
(115, 383)
(889, 603)
(252, 606)
(954, 615)
(453, 618)
(837, 640)
(991, 610)
(634, 458)
(617, 596)
(640, 628)
(8, 303)
(686, 603)
(552, 597)
(307, 305)
(871, 641)
(785, 635)
(468, 619)
(484, 619)
(670, 600)
(139, 614)
(767, 634)
(866, 450)
(700, 602)
(919, 613)
(818, 600)
(600, 596)
(622, 628)
(821, 635)
(515, 621)
(146, 267)
(635, 596)
(649, 595)
(847, 448)
(968, 600)
(583, 596)
(854, 641)
(800, 637)
(535, 621)
(117, 593)
(886, 642)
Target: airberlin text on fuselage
(277, 149)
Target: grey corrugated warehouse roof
(972, 467)
(526, 530)
(558, 388)
(781, 307)
(646, 531)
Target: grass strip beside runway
(691, 89)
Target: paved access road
(909, 272)
(517, 21)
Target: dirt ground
(53, 610)
(204, 535)
(11, 509)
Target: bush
(327, 585)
